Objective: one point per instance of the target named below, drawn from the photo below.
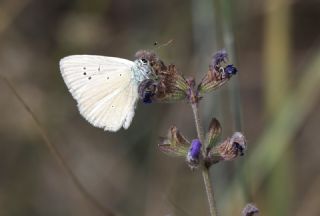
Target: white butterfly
(106, 88)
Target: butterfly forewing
(103, 87)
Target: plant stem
(209, 191)
(197, 122)
(205, 170)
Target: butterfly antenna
(165, 44)
(157, 46)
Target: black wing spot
(84, 73)
(84, 68)
(120, 74)
(99, 68)
(89, 78)
(107, 77)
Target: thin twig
(175, 205)
(205, 170)
(57, 155)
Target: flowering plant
(168, 85)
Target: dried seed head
(232, 147)
(213, 134)
(171, 86)
(174, 144)
(229, 149)
(167, 85)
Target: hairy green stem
(205, 170)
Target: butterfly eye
(144, 61)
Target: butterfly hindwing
(125, 104)
(103, 87)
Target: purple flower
(195, 149)
(147, 90)
(230, 70)
(147, 98)
(194, 154)
(218, 58)
(220, 71)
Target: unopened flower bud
(193, 156)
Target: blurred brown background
(274, 101)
